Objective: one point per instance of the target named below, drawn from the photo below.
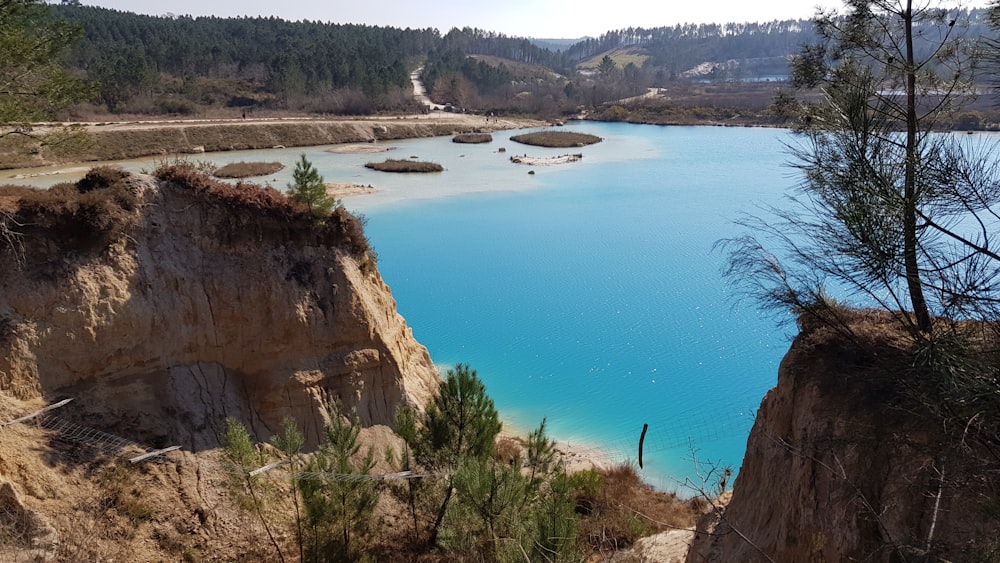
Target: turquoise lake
(588, 292)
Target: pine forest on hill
(186, 66)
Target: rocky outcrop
(845, 463)
(200, 310)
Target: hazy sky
(530, 18)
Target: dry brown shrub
(253, 210)
(250, 197)
(556, 139)
(507, 450)
(625, 509)
(100, 177)
(83, 217)
(391, 165)
(349, 233)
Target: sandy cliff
(844, 463)
(200, 308)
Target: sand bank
(575, 457)
(360, 149)
(347, 189)
(546, 161)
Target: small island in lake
(545, 161)
(391, 165)
(556, 139)
(472, 138)
(247, 169)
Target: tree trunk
(910, 263)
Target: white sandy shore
(546, 161)
(360, 149)
(74, 170)
(579, 457)
(575, 457)
(347, 189)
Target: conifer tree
(243, 456)
(337, 497)
(309, 189)
(883, 210)
(33, 85)
(459, 424)
(289, 445)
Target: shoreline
(574, 456)
(337, 190)
(125, 140)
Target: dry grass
(254, 210)
(82, 217)
(247, 169)
(556, 139)
(621, 57)
(473, 138)
(624, 509)
(392, 165)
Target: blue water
(587, 293)
(590, 294)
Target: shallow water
(587, 293)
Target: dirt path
(420, 93)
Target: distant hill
(180, 65)
(557, 44)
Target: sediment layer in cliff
(853, 458)
(165, 307)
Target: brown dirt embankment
(119, 141)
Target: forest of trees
(258, 59)
(183, 65)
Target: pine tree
(338, 498)
(289, 444)
(460, 424)
(883, 209)
(242, 454)
(33, 84)
(309, 189)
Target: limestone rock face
(841, 465)
(198, 313)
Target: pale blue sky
(530, 18)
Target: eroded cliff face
(844, 464)
(199, 311)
